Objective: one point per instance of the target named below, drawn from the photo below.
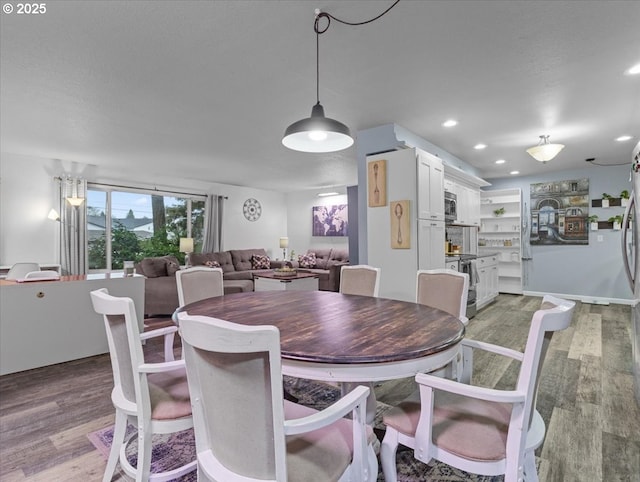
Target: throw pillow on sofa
(212, 264)
(172, 268)
(260, 262)
(307, 260)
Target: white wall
(27, 193)
(593, 271)
(300, 220)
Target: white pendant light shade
(544, 151)
(317, 133)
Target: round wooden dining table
(344, 338)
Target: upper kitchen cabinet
(430, 187)
(466, 187)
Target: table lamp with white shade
(186, 247)
(284, 244)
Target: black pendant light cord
(318, 31)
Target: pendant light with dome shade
(545, 151)
(318, 133)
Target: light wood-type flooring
(585, 397)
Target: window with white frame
(126, 224)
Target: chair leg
(530, 471)
(118, 439)
(168, 347)
(388, 451)
(143, 467)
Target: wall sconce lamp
(53, 215)
(75, 201)
(284, 244)
(186, 247)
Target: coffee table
(269, 281)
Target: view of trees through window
(129, 226)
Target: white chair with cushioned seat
(445, 289)
(199, 283)
(480, 430)
(154, 397)
(20, 270)
(360, 279)
(243, 428)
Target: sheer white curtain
(213, 216)
(73, 227)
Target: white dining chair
(360, 279)
(153, 397)
(245, 431)
(445, 289)
(198, 283)
(478, 429)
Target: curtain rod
(143, 188)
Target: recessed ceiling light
(623, 138)
(513, 173)
(500, 161)
(480, 146)
(634, 70)
(450, 123)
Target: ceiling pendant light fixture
(319, 133)
(545, 151)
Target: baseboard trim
(594, 300)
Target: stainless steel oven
(468, 265)
(450, 207)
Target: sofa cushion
(322, 257)
(223, 258)
(156, 267)
(338, 256)
(242, 257)
(307, 260)
(259, 261)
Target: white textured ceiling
(205, 89)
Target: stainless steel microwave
(450, 207)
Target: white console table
(48, 322)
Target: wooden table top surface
(328, 327)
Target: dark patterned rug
(170, 451)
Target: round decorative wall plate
(252, 209)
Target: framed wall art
(559, 213)
(400, 224)
(330, 220)
(377, 183)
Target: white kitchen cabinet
(430, 187)
(466, 187)
(431, 238)
(487, 286)
(501, 233)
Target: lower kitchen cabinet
(487, 287)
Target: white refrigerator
(631, 258)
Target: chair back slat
(199, 283)
(360, 280)
(236, 369)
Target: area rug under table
(173, 450)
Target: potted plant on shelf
(593, 222)
(605, 199)
(617, 221)
(624, 198)
(498, 212)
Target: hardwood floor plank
(621, 414)
(589, 388)
(588, 337)
(620, 458)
